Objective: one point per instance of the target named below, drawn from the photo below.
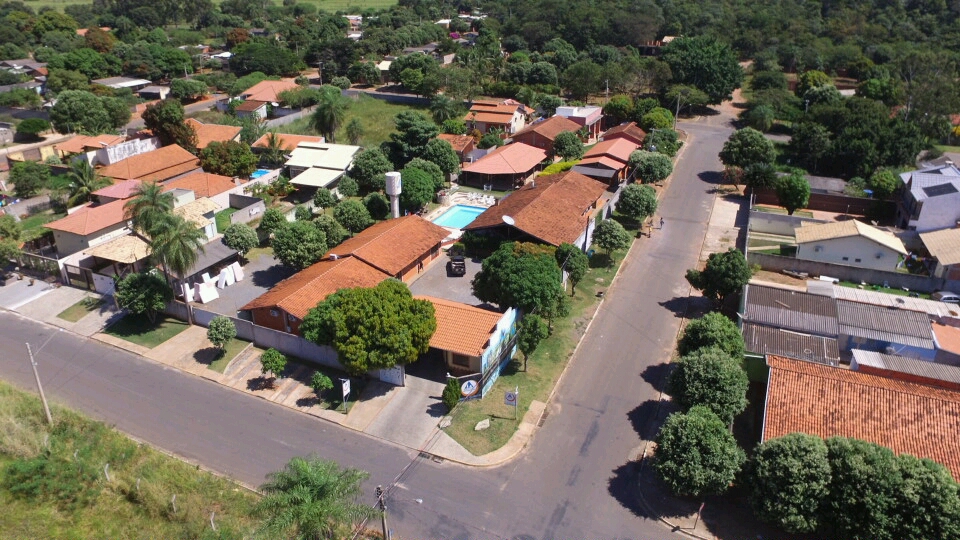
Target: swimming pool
(458, 216)
(258, 173)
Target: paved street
(576, 481)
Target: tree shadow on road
(656, 375)
(623, 486)
(712, 177)
(677, 305)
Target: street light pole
(36, 375)
(383, 511)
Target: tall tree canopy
(706, 64)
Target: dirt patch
(782, 279)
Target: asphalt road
(576, 481)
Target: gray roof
(898, 326)
(792, 310)
(921, 371)
(775, 341)
(932, 181)
(29, 85)
(213, 254)
(594, 172)
(864, 296)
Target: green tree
(418, 189)
(443, 108)
(143, 293)
(377, 204)
(372, 328)
(532, 330)
(188, 89)
(414, 132)
(273, 152)
(705, 63)
(574, 262)
(788, 481)
(241, 237)
(696, 454)
(490, 140)
(149, 206)
(354, 131)
(619, 108)
(77, 111)
(745, 147)
(320, 383)
(680, 96)
(302, 213)
(10, 232)
(760, 175)
(711, 330)
(650, 167)
(324, 198)
(454, 126)
(352, 215)
(927, 502)
(664, 141)
(84, 180)
(883, 183)
(273, 362)
(299, 244)
(568, 146)
(658, 118)
(272, 220)
(582, 79)
(230, 158)
(861, 498)
(330, 112)
(63, 79)
(29, 177)
(760, 117)
(177, 243)
(33, 127)
(334, 231)
(165, 120)
(368, 169)
(711, 378)
(364, 73)
(811, 79)
(221, 331)
(441, 153)
(793, 192)
(766, 80)
(726, 273)
(809, 143)
(452, 394)
(611, 236)
(348, 187)
(520, 275)
(637, 202)
(429, 167)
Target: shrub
(220, 331)
(348, 187)
(451, 394)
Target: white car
(946, 296)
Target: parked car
(946, 296)
(456, 266)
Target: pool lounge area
(458, 216)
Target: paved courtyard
(259, 277)
(435, 282)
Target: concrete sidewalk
(55, 300)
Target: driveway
(16, 293)
(259, 277)
(435, 282)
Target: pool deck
(464, 198)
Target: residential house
(201, 212)
(906, 369)
(462, 144)
(826, 401)
(269, 91)
(119, 83)
(27, 66)
(555, 209)
(627, 130)
(946, 335)
(944, 246)
(285, 305)
(154, 92)
(36, 86)
(485, 116)
(320, 164)
(214, 187)
(507, 167)
(252, 109)
(208, 133)
(118, 191)
(82, 144)
(287, 141)
(607, 161)
(401, 247)
(158, 165)
(930, 199)
(588, 117)
(763, 340)
(89, 226)
(851, 243)
(542, 134)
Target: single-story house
(627, 130)
(81, 144)
(586, 117)
(487, 115)
(555, 209)
(826, 401)
(944, 246)
(251, 108)
(269, 91)
(208, 133)
(607, 161)
(930, 199)
(285, 305)
(542, 134)
(158, 165)
(764, 340)
(851, 243)
(790, 310)
(288, 141)
(462, 144)
(401, 247)
(507, 167)
(89, 226)
(320, 164)
(214, 187)
(118, 83)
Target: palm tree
(149, 208)
(312, 498)
(443, 108)
(84, 180)
(330, 113)
(273, 153)
(176, 242)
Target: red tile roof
(549, 128)
(462, 329)
(84, 143)
(91, 219)
(157, 165)
(202, 184)
(302, 291)
(288, 141)
(555, 209)
(250, 105)
(830, 401)
(948, 337)
(606, 161)
(628, 130)
(619, 149)
(208, 133)
(268, 91)
(460, 143)
(394, 244)
(516, 158)
(119, 190)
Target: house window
(846, 258)
(274, 313)
(856, 260)
(461, 360)
(291, 318)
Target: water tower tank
(393, 183)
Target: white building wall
(69, 243)
(938, 213)
(851, 251)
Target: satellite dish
(509, 220)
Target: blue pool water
(458, 216)
(258, 173)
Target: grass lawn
(220, 360)
(543, 368)
(945, 148)
(75, 500)
(33, 226)
(223, 219)
(139, 330)
(889, 290)
(80, 310)
(376, 117)
(259, 251)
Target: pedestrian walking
(661, 223)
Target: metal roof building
(791, 310)
(907, 369)
(777, 341)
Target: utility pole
(383, 511)
(36, 375)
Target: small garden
(141, 330)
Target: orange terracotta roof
(555, 209)
(619, 149)
(288, 141)
(461, 328)
(268, 91)
(489, 118)
(208, 133)
(119, 190)
(157, 165)
(301, 292)
(460, 143)
(516, 158)
(84, 143)
(394, 244)
(629, 130)
(202, 184)
(606, 161)
(948, 337)
(495, 107)
(549, 128)
(91, 219)
(830, 401)
(250, 105)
